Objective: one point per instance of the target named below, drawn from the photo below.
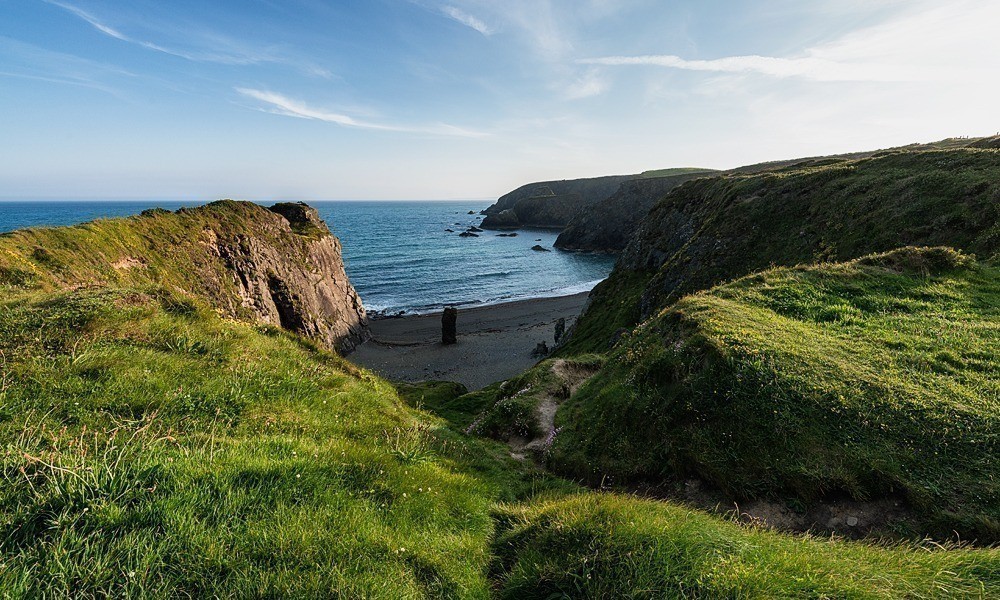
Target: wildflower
(298, 476)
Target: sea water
(399, 255)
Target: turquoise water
(398, 255)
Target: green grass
(157, 451)
(151, 447)
(609, 546)
(717, 229)
(174, 250)
(871, 378)
(653, 174)
(161, 454)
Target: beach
(494, 342)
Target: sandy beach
(494, 342)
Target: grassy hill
(717, 229)
(155, 447)
(869, 379)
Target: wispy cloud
(210, 47)
(909, 47)
(457, 14)
(591, 83)
(283, 105)
(27, 61)
(806, 67)
(89, 18)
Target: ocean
(398, 255)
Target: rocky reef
(279, 266)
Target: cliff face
(279, 266)
(608, 225)
(550, 204)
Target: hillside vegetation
(717, 229)
(869, 379)
(155, 447)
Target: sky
(441, 99)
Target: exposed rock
(538, 248)
(279, 266)
(512, 234)
(551, 204)
(450, 230)
(560, 329)
(506, 219)
(541, 350)
(472, 212)
(449, 326)
(299, 284)
(608, 225)
(468, 234)
(474, 229)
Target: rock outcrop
(608, 225)
(549, 204)
(280, 266)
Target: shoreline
(495, 342)
(382, 315)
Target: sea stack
(449, 326)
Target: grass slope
(717, 229)
(154, 449)
(870, 378)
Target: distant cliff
(549, 204)
(279, 266)
(608, 225)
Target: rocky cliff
(608, 225)
(549, 204)
(279, 266)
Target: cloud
(91, 19)
(590, 84)
(809, 68)
(910, 47)
(214, 48)
(283, 105)
(466, 19)
(27, 61)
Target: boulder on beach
(538, 248)
(449, 326)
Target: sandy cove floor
(494, 342)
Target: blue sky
(397, 99)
